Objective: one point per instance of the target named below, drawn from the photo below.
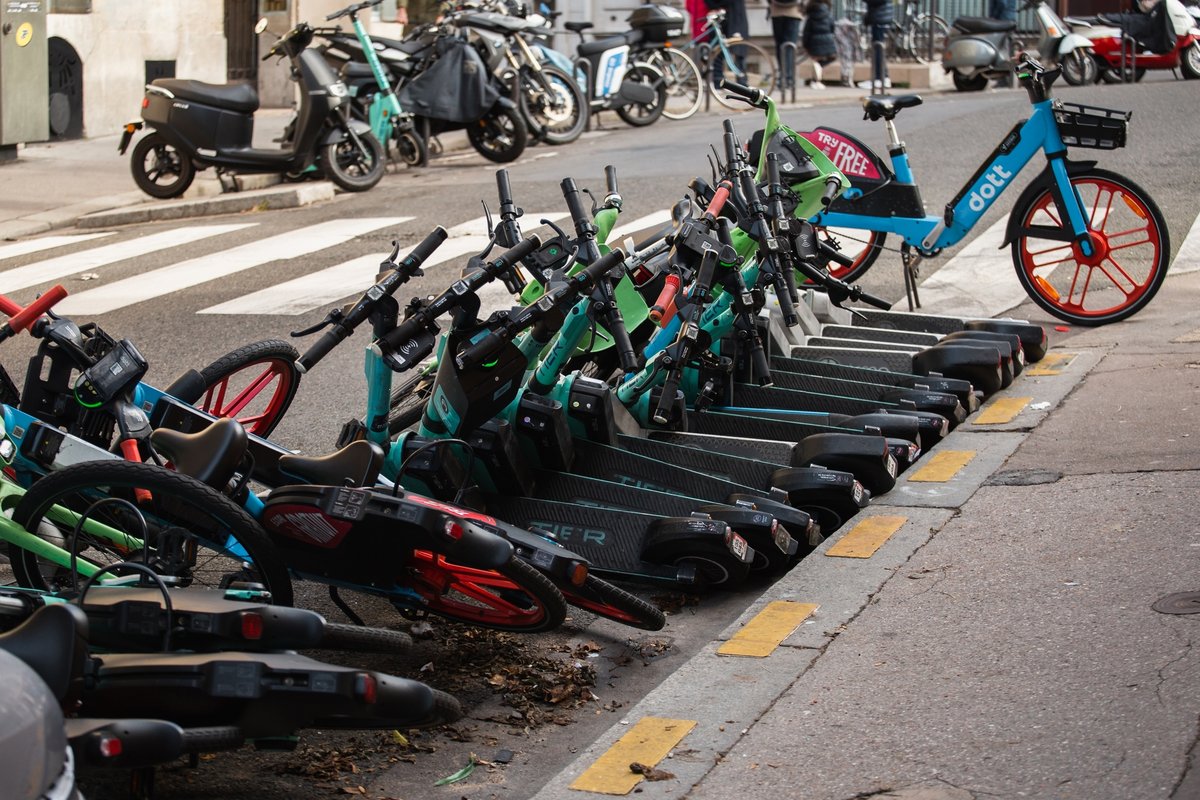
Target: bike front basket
(1091, 126)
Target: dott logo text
(995, 180)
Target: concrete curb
(290, 196)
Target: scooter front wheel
(1079, 68)
(500, 135)
(159, 168)
(351, 167)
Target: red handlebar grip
(666, 299)
(718, 200)
(8, 308)
(24, 318)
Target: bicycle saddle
(887, 107)
(578, 27)
(356, 464)
(983, 25)
(53, 643)
(210, 456)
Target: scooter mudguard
(1073, 41)
(338, 133)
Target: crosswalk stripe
(55, 268)
(655, 220)
(46, 243)
(204, 269)
(1188, 257)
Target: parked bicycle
(719, 57)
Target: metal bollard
(879, 71)
(787, 69)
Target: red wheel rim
(1127, 244)
(478, 591)
(254, 395)
(854, 244)
(602, 609)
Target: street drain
(1178, 603)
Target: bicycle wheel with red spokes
(1130, 250)
(254, 384)
(514, 597)
(861, 246)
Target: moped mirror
(261, 25)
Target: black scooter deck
(1033, 337)
(870, 376)
(941, 402)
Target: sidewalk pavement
(55, 185)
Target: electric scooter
(196, 125)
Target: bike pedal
(352, 431)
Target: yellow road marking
(1051, 364)
(1002, 410)
(942, 466)
(764, 633)
(866, 537)
(647, 742)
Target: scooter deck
(1033, 337)
(926, 399)
(862, 333)
(791, 398)
(786, 367)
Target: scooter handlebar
(24, 317)
(833, 187)
(665, 301)
(755, 97)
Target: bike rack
(1128, 59)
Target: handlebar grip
(503, 188)
(665, 300)
(718, 200)
(610, 178)
(329, 340)
(8, 308)
(515, 254)
(475, 353)
(597, 269)
(754, 96)
(620, 334)
(574, 204)
(833, 187)
(25, 317)
(425, 249)
(787, 306)
(872, 300)
(729, 140)
(758, 362)
(834, 255)
(666, 401)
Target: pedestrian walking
(878, 18)
(786, 17)
(818, 39)
(736, 23)
(1005, 10)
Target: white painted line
(55, 268)
(46, 243)
(639, 225)
(1188, 257)
(196, 271)
(977, 282)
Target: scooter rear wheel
(159, 168)
(500, 135)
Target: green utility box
(24, 68)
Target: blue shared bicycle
(1089, 245)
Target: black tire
(351, 168)
(446, 711)
(535, 604)
(612, 602)
(160, 169)
(760, 73)
(408, 401)
(408, 147)
(685, 88)
(867, 244)
(1189, 62)
(213, 740)
(267, 364)
(916, 38)
(1146, 269)
(362, 639)
(716, 567)
(640, 115)
(553, 105)
(1110, 74)
(500, 135)
(1079, 68)
(976, 83)
(179, 504)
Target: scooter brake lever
(592, 197)
(331, 318)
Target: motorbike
(195, 125)
(1166, 36)
(980, 49)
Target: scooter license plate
(891, 465)
(739, 547)
(782, 539)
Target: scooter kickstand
(912, 272)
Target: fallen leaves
(650, 773)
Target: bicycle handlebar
(575, 285)
(508, 232)
(24, 317)
(353, 9)
(833, 187)
(370, 300)
(575, 206)
(686, 341)
(664, 305)
(755, 97)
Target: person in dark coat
(818, 39)
(879, 18)
(786, 17)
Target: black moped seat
(398, 44)
(601, 44)
(210, 456)
(578, 27)
(53, 643)
(233, 96)
(887, 107)
(498, 23)
(356, 464)
(352, 70)
(983, 25)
